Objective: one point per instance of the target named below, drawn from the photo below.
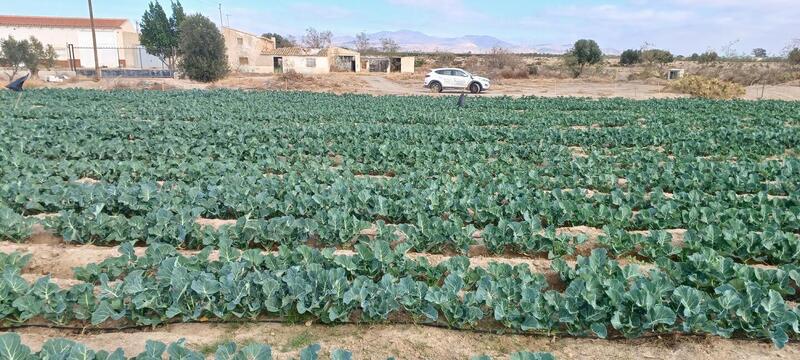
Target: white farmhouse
(117, 39)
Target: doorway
(277, 65)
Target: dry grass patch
(707, 88)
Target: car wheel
(474, 88)
(436, 87)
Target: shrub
(203, 50)
(630, 57)
(760, 52)
(657, 56)
(49, 58)
(794, 56)
(501, 58)
(505, 64)
(708, 57)
(518, 73)
(444, 59)
(708, 88)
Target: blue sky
(683, 26)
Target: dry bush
(443, 59)
(514, 73)
(708, 88)
(750, 73)
(505, 64)
(128, 84)
(473, 64)
(292, 76)
(501, 58)
(646, 73)
(552, 71)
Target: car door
(446, 77)
(460, 79)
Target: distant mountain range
(416, 41)
(410, 40)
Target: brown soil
(411, 84)
(214, 223)
(578, 151)
(415, 342)
(374, 341)
(87, 181)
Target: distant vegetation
(280, 40)
(630, 57)
(317, 39)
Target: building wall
(78, 37)
(265, 64)
(298, 64)
(407, 64)
(244, 49)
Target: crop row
(706, 294)
(12, 348)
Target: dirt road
(411, 84)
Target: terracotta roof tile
(47, 21)
(291, 51)
(299, 51)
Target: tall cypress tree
(159, 34)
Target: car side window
(459, 73)
(442, 72)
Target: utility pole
(221, 24)
(94, 44)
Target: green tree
(49, 58)
(203, 49)
(584, 52)
(280, 40)
(178, 15)
(18, 53)
(34, 55)
(760, 52)
(708, 57)
(794, 56)
(630, 57)
(657, 56)
(159, 34)
(14, 54)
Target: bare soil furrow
(414, 342)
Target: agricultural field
(128, 216)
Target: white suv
(452, 78)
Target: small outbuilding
(388, 64)
(308, 61)
(675, 74)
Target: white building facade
(117, 39)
